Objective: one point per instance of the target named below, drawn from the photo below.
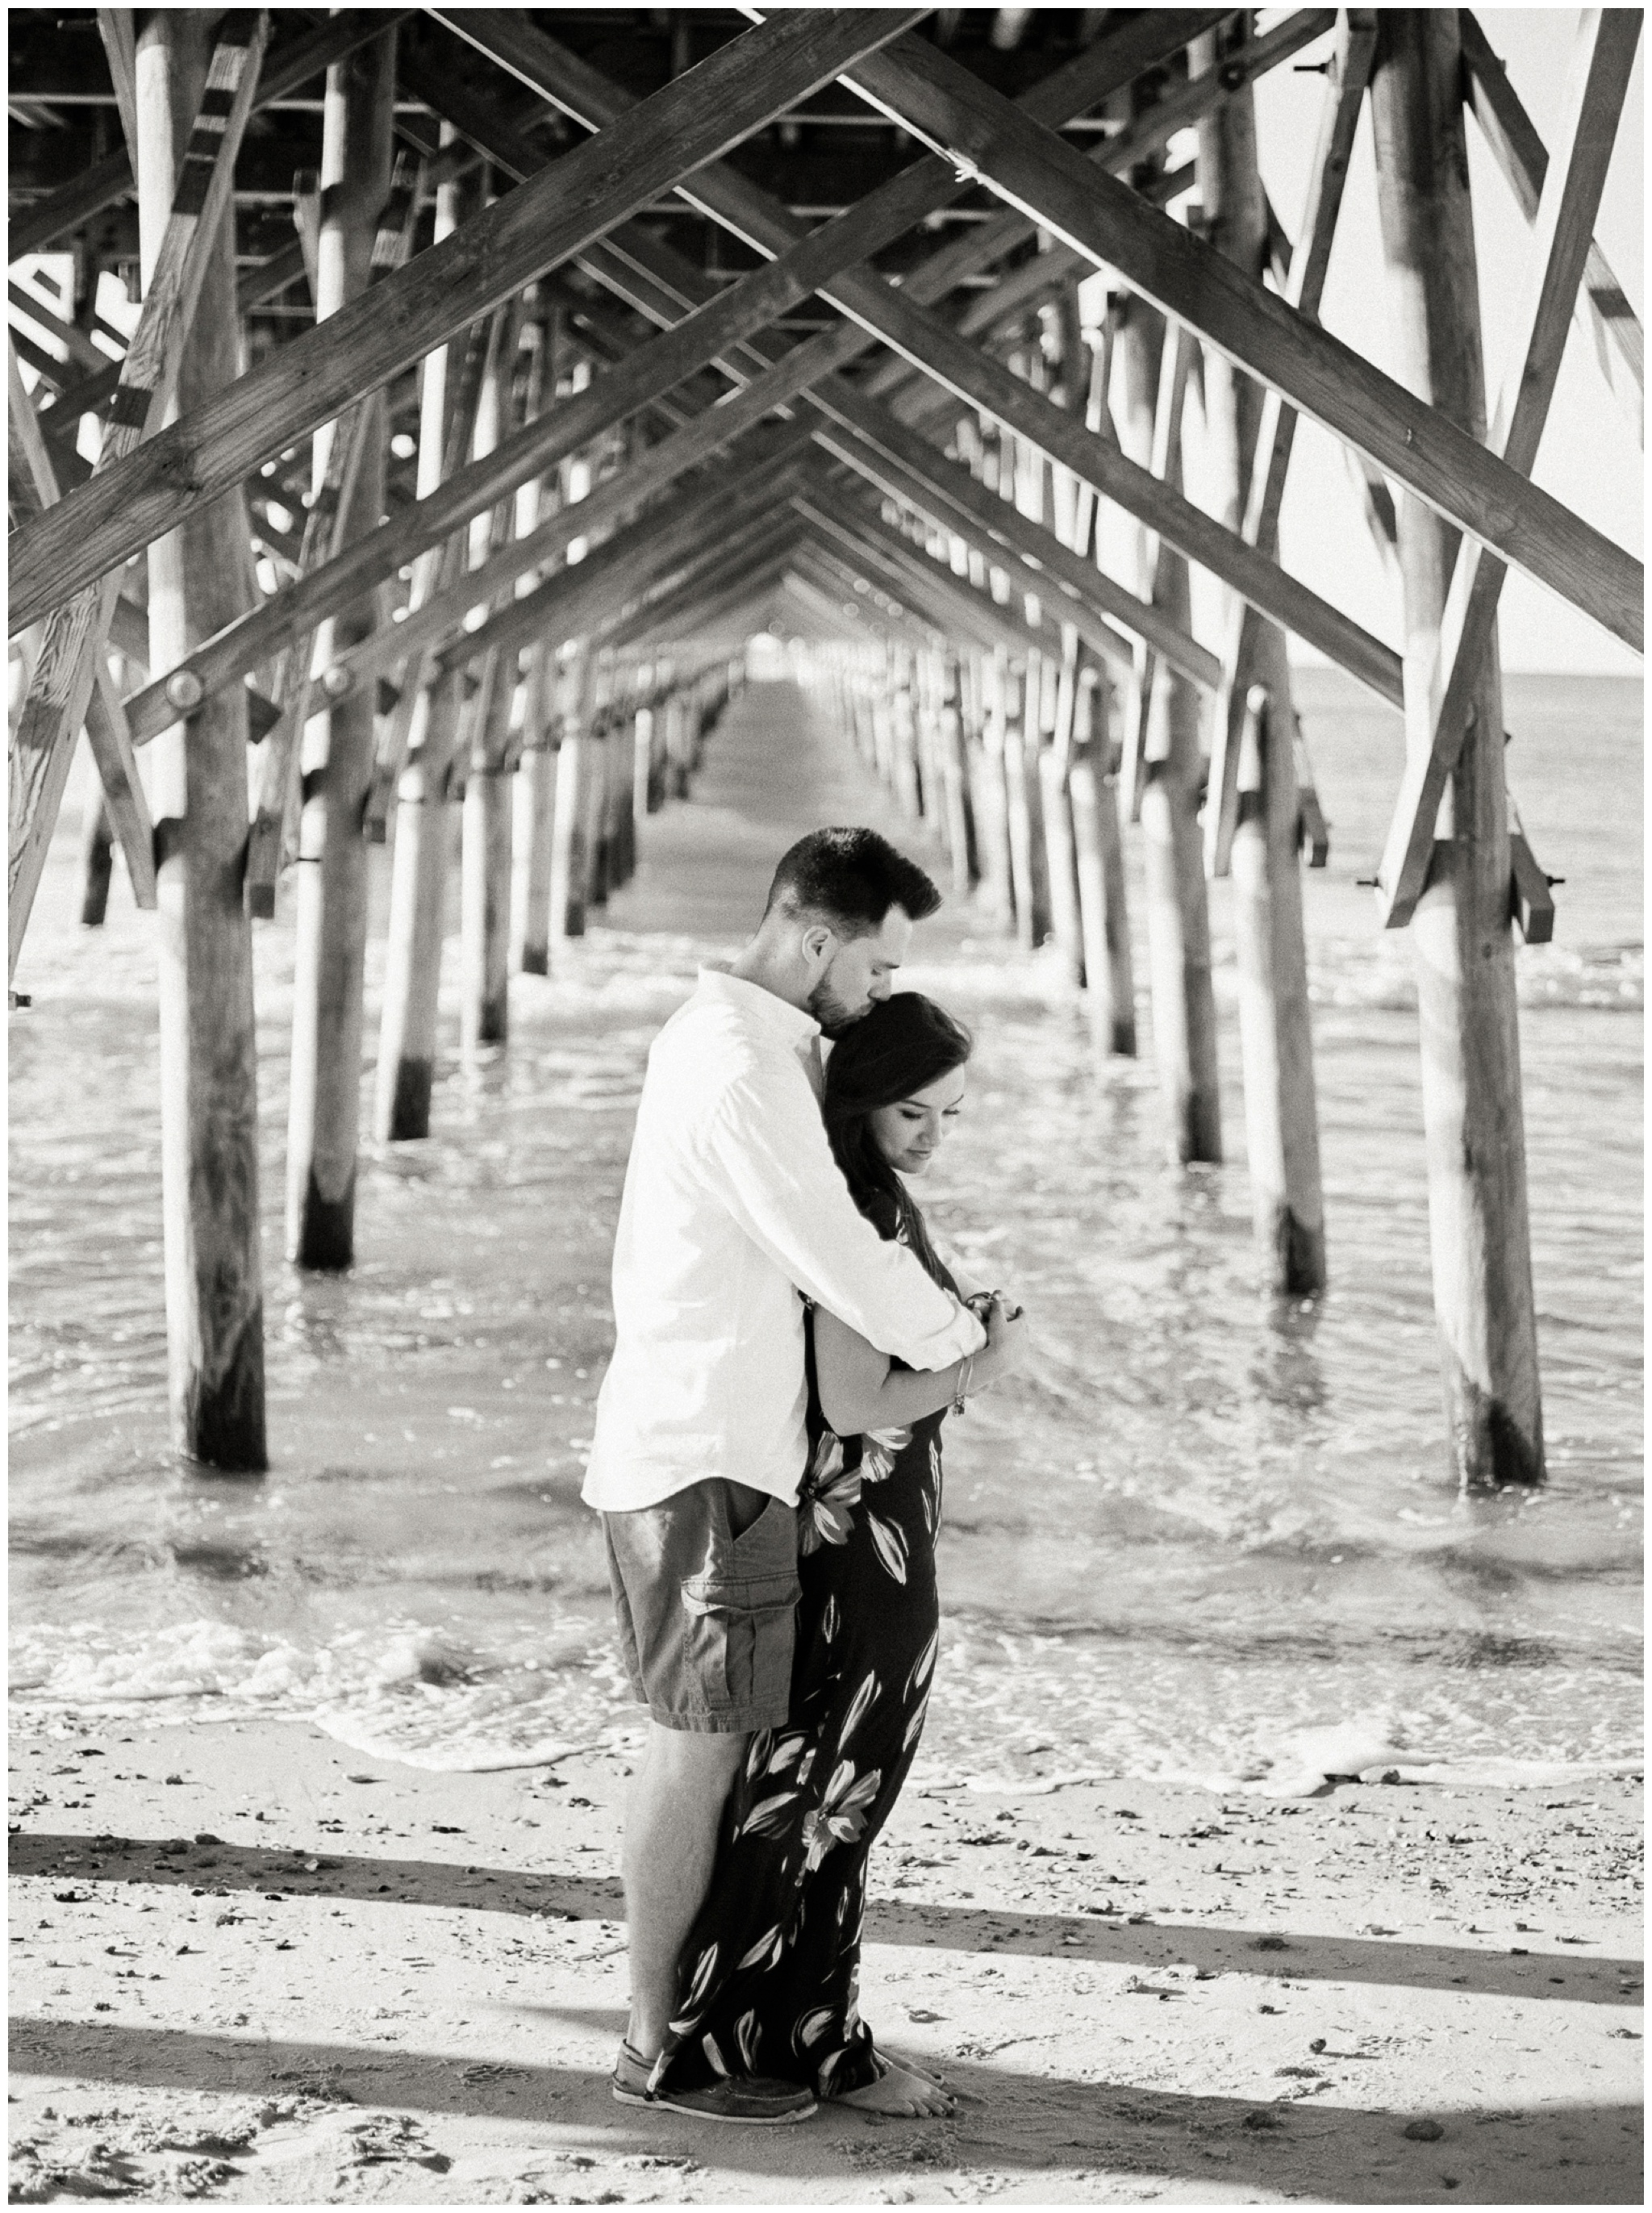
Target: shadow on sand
(1098, 1940)
(1009, 2124)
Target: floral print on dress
(782, 1922)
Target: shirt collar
(790, 1024)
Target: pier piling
(197, 782)
(1464, 948)
(331, 947)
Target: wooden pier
(485, 377)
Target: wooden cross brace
(1413, 444)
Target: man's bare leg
(671, 1841)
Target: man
(733, 1212)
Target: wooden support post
(1604, 55)
(1472, 1110)
(484, 905)
(570, 844)
(418, 868)
(989, 788)
(536, 807)
(1054, 759)
(1281, 1130)
(599, 781)
(1021, 735)
(97, 861)
(485, 852)
(905, 731)
(642, 783)
(954, 780)
(331, 947)
(1171, 770)
(536, 773)
(1347, 73)
(208, 1045)
(1104, 915)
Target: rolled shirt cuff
(962, 1335)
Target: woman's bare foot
(900, 2088)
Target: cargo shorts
(705, 1589)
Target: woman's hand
(1006, 1342)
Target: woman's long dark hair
(900, 1048)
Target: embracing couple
(767, 1465)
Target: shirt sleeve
(767, 1156)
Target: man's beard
(830, 1011)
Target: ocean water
(1200, 1523)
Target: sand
(248, 1964)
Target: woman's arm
(861, 1390)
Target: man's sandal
(753, 2101)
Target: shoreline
(250, 1964)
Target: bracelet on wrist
(966, 1369)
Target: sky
(1590, 458)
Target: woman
(770, 1974)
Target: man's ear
(819, 942)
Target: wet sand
(248, 1964)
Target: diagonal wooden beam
(33, 228)
(902, 320)
(1101, 70)
(953, 483)
(1349, 72)
(36, 486)
(918, 500)
(31, 480)
(651, 371)
(804, 583)
(510, 38)
(1178, 106)
(646, 375)
(445, 611)
(565, 605)
(715, 579)
(828, 560)
(1412, 442)
(824, 610)
(953, 604)
(982, 383)
(116, 27)
(917, 490)
(587, 191)
(681, 612)
(93, 392)
(1439, 700)
(1603, 310)
(72, 648)
(84, 356)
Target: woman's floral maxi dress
(769, 1977)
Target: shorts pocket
(737, 1639)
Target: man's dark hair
(850, 878)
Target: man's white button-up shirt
(733, 1212)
